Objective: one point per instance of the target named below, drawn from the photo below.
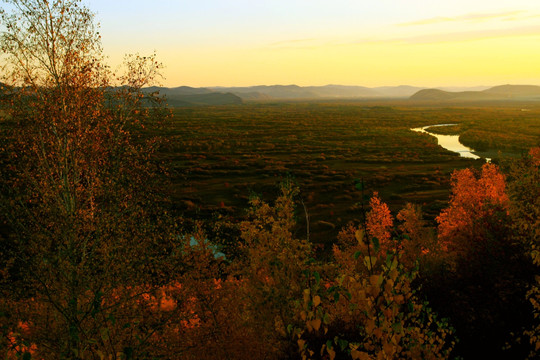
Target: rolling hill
(515, 91)
(497, 93)
(270, 92)
(402, 91)
(295, 92)
(189, 96)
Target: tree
(419, 242)
(477, 206)
(85, 240)
(273, 266)
(524, 194)
(48, 43)
(488, 270)
(379, 222)
(369, 310)
(367, 307)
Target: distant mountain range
(189, 96)
(303, 92)
(497, 93)
(186, 96)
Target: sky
(315, 42)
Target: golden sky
(315, 42)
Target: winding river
(450, 142)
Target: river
(450, 142)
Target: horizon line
(335, 84)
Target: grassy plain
(221, 155)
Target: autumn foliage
(379, 222)
(369, 311)
(94, 266)
(84, 244)
(478, 203)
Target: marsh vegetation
(221, 155)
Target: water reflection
(450, 142)
(215, 250)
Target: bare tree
(48, 41)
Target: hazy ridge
(200, 96)
(189, 96)
(502, 92)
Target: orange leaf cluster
(475, 198)
(379, 221)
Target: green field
(222, 155)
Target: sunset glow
(370, 43)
